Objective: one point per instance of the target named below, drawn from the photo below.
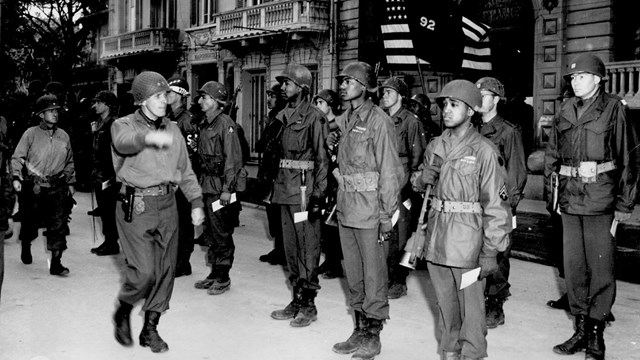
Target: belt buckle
(588, 171)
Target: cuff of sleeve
(197, 203)
(488, 253)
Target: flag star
(393, 8)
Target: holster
(127, 203)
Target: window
(203, 11)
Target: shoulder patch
(231, 131)
(503, 193)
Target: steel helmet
(46, 102)
(463, 90)
(54, 87)
(396, 84)
(297, 73)
(588, 63)
(422, 100)
(107, 97)
(361, 72)
(491, 84)
(328, 95)
(275, 89)
(179, 85)
(146, 84)
(215, 90)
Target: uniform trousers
(107, 200)
(185, 229)
(48, 206)
(462, 327)
(150, 246)
(365, 266)
(275, 228)
(589, 250)
(301, 248)
(219, 229)
(497, 284)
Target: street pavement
(45, 317)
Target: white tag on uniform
(106, 184)
(407, 204)
(300, 216)
(614, 227)
(215, 206)
(515, 225)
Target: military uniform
(303, 162)
(507, 138)
(368, 190)
(602, 140)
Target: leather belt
(456, 206)
(157, 190)
(587, 171)
(296, 164)
(367, 181)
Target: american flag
(477, 51)
(398, 43)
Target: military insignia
(231, 130)
(503, 193)
(469, 160)
(138, 205)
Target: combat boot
(25, 255)
(494, 312)
(577, 342)
(595, 340)
(122, 324)
(291, 310)
(56, 267)
(450, 355)
(353, 342)
(149, 335)
(370, 346)
(308, 312)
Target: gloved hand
(332, 139)
(197, 216)
(386, 228)
(225, 198)
(17, 185)
(415, 181)
(315, 208)
(488, 266)
(621, 216)
(158, 138)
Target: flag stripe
(476, 65)
(395, 28)
(477, 50)
(391, 44)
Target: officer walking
(508, 139)
(150, 158)
(592, 149)
(269, 146)
(410, 139)
(469, 220)
(300, 187)
(44, 157)
(105, 104)
(178, 114)
(222, 174)
(369, 173)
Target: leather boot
(577, 342)
(561, 304)
(56, 265)
(149, 335)
(450, 355)
(494, 313)
(595, 340)
(308, 312)
(122, 324)
(25, 255)
(291, 310)
(353, 342)
(371, 345)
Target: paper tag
(394, 218)
(614, 227)
(300, 216)
(513, 220)
(407, 204)
(106, 184)
(217, 206)
(469, 277)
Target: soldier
(327, 101)
(300, 187)
(409, 135)
(44, 157)
(368, 176)
(178, 114)
(592, 150)
(508, 139)
(469, 220)
(222, 174)
(269, 146)
(150, 158)
(105, 104)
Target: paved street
(46, 317)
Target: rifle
(232, 109)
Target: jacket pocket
(596, 136)
(295, 138)
(358, 148)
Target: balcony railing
(266, 18)
(624, 81)
(146, 40)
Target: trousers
(219, 229)
(48, 206)
(301, 248)
(185, 229)
(150, 245)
